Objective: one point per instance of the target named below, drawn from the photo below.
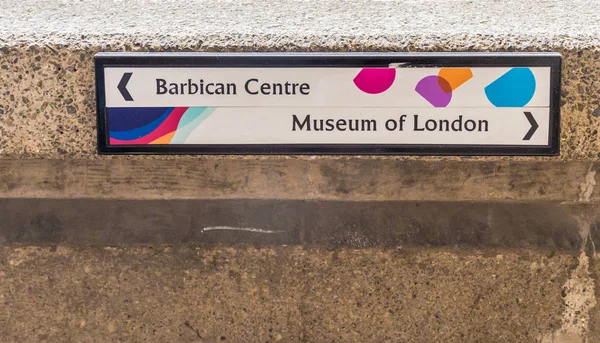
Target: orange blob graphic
(453, 77)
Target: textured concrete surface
(345, 179)
(424, 293)
(279, 222)
(47, 105)
(287, 294)
(462, 24)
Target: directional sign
(329, 103)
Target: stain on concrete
(593, 334)
(587, 186)
(579, 291)
(274, 222)
(580, 298)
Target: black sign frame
(324, 60)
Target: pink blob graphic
(432, 89)
(375, 80)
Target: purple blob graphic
(432, 88)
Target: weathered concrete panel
(355, 179)
(268, 222)
(287, 294)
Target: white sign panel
(329, 103)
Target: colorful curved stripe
(167, 126)
(166, 139)
(191, 119)
(129, 118)
(140, 131)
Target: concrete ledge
(357, 179)
(420, 25)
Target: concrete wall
(281, 294)
(286, 248)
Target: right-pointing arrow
(534, 126)
(123, 86)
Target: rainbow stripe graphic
(154, 125)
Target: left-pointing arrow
(123, 86)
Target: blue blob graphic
(127, 118)
(140, 131)
(513, 89)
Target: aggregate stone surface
(255, 25)
(48, 109)
(47, 92)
